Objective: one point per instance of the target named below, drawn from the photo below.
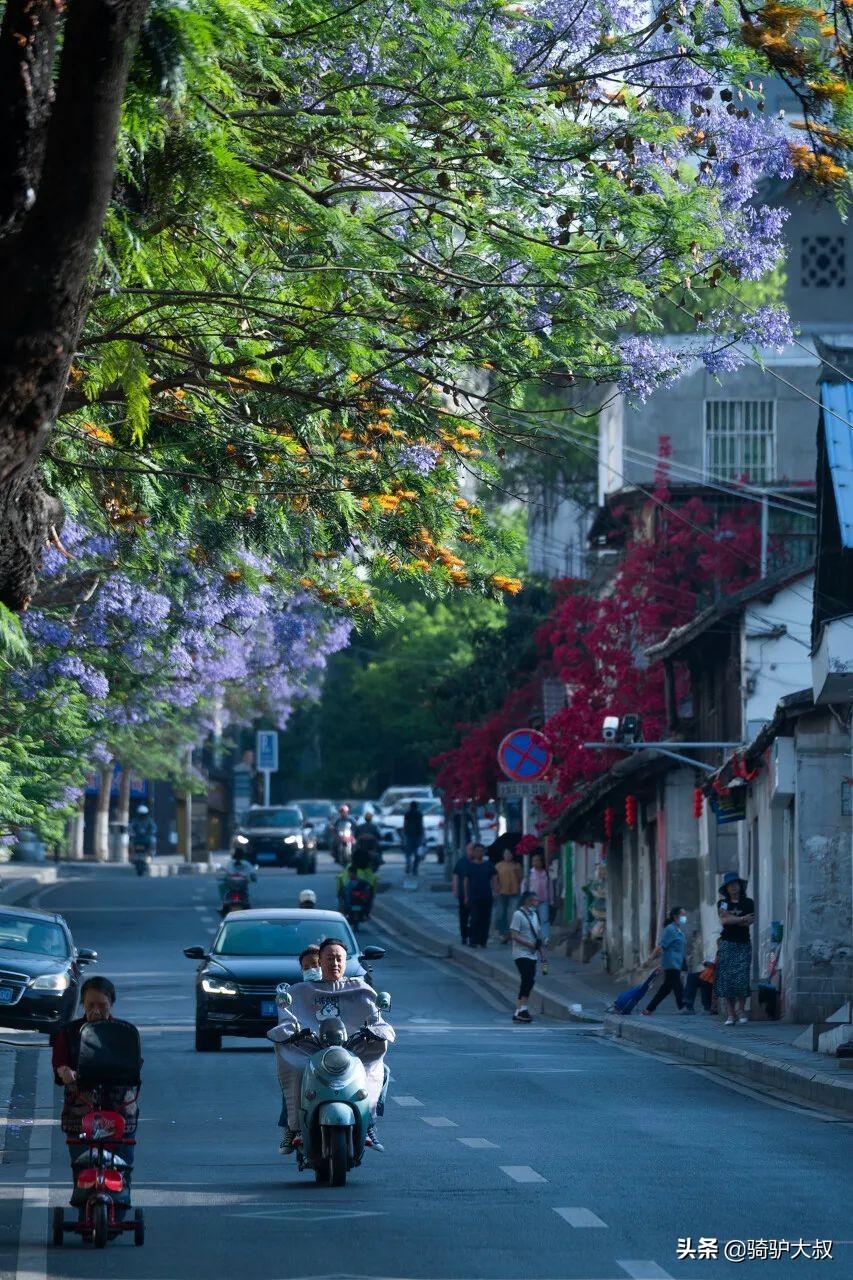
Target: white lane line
(406, 1100)
(478, 1144)
(521, 1173)
(440, 1122)
(31, 1261)
(577, 1217)
(638, 1270)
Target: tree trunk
(123, 814)
(57, 160)
(78, 826)
(102, 815)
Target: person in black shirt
(460, 872)
(479, 887)
(736, 913)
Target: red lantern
(608, 822)
(631, 811)
(698, 803)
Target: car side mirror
(86, 956)
(195, 953)
(372, 953)
(383, 1001)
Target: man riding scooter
(343, 837)
(235, 881)
(143, 833)
(369, 837)
(334, 996)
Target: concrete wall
(814, 306)
(557, 528)
(679, 412)
(821, 953)
(775, 666)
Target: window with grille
(740, 440)
(824, 262)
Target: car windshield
(20, 933)
(273, 818)
(279, 937)
(315, 808)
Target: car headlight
(51, 982)
(241, 839)
(292, 840)
(216, 987)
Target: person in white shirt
(525, 931)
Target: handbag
(707, 974)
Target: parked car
(40, 970)
(393, 795)
(319, 813)
(391, 824)
(253, 952)
(277, 836)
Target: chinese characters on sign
(708, 1247)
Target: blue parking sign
(266, 751)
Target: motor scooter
(343, 842)
(236, 893)
(109, 1074)
(140, 859)
(334, 1113)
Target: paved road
(540, 1152)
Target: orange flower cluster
(511, 586)
(821, 169)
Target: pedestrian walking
(480, 881)
(527, 943)
(539, 882)
(509, 875)
(695, 984)
(671, 948)
(460, 871)
(413, 837)
(736, 912)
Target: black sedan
(40, 970)
(253, 952)
(277, 836)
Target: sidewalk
(761, 1054)
(18, 879)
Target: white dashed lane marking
(406, 1100)
(440, 1122)
(521, 1173)
(577, 1217)
(639, 1270)
(478, 1144)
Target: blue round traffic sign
(524, 755)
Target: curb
(12, 891)
(549, 1002)
(805, 1082)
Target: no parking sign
(524, 755)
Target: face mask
(682, 919)
(312, 975)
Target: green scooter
(334, 1113)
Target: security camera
(610, 730)
(631, 729)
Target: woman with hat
(736, 913)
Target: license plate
(265, 857)
(268, 1009)
(7, 995)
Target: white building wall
(775, 665)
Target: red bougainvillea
(675, 562)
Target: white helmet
(308, 895)
(143, 809)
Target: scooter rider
(237, 866)
(335, 996)
(143, 833)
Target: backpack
(360, 893)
